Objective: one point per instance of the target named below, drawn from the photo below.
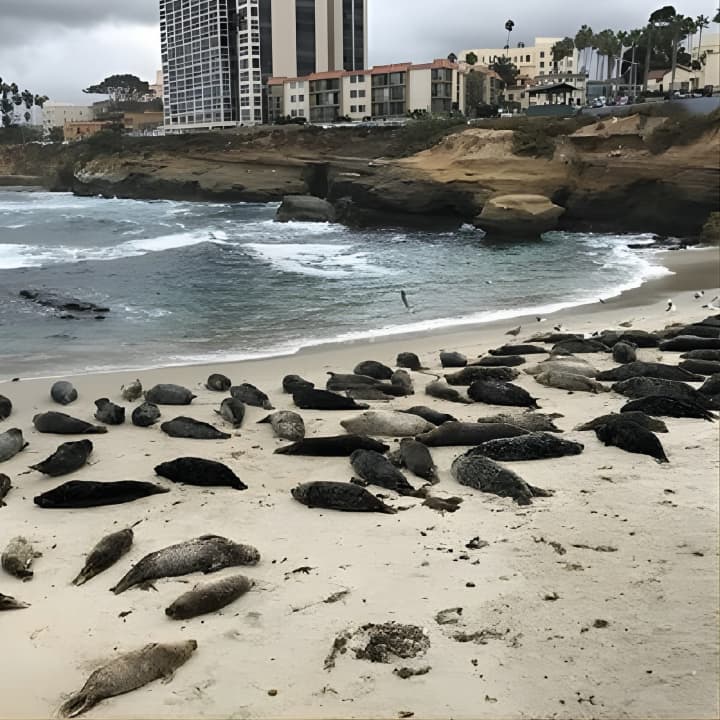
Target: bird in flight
(403, 295)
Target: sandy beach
(600, 601)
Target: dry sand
(657, 590)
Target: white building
(56, 114)
(708, 55)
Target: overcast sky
(58, 47)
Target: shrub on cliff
(423, 133)
(681, 129)
(535, 137)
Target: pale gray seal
(105, 554)
(334, 446)
(208, 553)
(131, 392)
(209, 597)
(631, 437)
(648, 369)
(376, 469)
(569, 381)
(89, 493)
(532, 421)
(462, 433)
(128, 672)
(286, 424)
(624, 352)
(571, 365)
(429, 414)
(452, 359)
(198, 471)
(5, 407)
(325, 400)
(63, 392)
(391, 424)
(218, 383)
(233, 410)
(473, 373)
(443, 391)
(186, 427)
(648, 422)
(109, 413)
(62, 424)
(69, 456)
(494, 392)
(17, 558)
(536, 446)
(169, 394)
(346, 497)
(373, 369)
(146, 414)
(11, 443)
(486, 475)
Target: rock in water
(197, 471)
(5, 407)
(109, 413)
(334, 446)
(286, 425)
(392, 424)
(486, 475)
(251, 395)
(17, 558)
(62, 424)
(87, 493)
(11, 443)
(218, 383)
(105, 554)
(208, 553)
(129, 672)
(209, 597)
(494, 392)
(536, 446)
(146, 414)
(69, 456)
(376, 469)
(325, 400)
(169, 394)
(185, 427)
(631, 437)
(131, 392)
(63, 393)
(233, 411)
(346, 497)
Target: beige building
(708, 55)
(57, 114)
(156, 88)
(384, 91)
(532, 60)
(686, 80)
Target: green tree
(562, 49)
(120, 88)
(661, 18)
(509, 25)
(11, 99)
(583, 41)
(506, 69)
(471, 58)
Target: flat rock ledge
(519, 215)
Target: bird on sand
(540, 319)
(699, 294)
(670, 307)
(514, 331)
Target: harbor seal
(452, 359)
(346, 497)
(624, 352)
(408, 360)
(207, 554)
(531, 421)
(536, 446)
(375, 392)
(571, 365)
(569, 381)
(631, 437)
(373, 369)
(711, 386)
(5, 487)
(646, 421)
(334, 446)
(402, 379)
(62, 424)
(131, 392)
(89, 493)
(484, 474)
(473, 373)
(63, 392)
(198, 471)
(233, 411)
(376, 469)
(7, 602)
(499, 361)
(169, 394)
(286, 425)
(105, 554)
(5, 407)
(325, 400)
(391, 424)
(712, 355)
(643, 387)
(11, 443)
(69, 456)
(585, 345)
(443, 391)
(291, 383)
(416, 458)
(218, 383)
(128, 672)
(145, 415)
(701, 367)
(648, 369)
(431, 415)
(683, 343)
(109, 413)
(639, 338)
(668, 407)
(494, 392)
(463, 433)
(339, 382)
(17, 558)
(185, 427)
(209, 597)
(522, 349)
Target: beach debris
(556, 546)
(477, 544)
(450, 504)
(450, 616)
(406, 672)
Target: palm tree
(509, 25)
(583, 38)
(634, 37)
(702, 22)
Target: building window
(361, 108)
(542, 53)
(353, 79)
(293, 98)
(353, 93)
(542, 64)
(353, 108)
(527, 58)
(361, 93)
(301, 98)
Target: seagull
(488, 282)
(627, 323)
(601, 300)
(558, 328)
(670, 307)
(403, 295)
(540, 319)
(713, 303)
(699, 294)
(515, 331)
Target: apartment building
(534, 61)
(384, 91)
(55, 114)
(218, 55)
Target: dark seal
(69, 456)
(347, 497)
(197, 471)
(86, 493)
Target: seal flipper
(78, 704)
(264, 420)
(540, 492)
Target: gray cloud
(74, 14)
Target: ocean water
(198, 282)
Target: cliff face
(604, 175)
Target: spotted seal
(11, 443)
(218, 382)
(286, 425)
(17, 558)
(145, 415)
(648, 422)
(109, 413)
(416, 457)
(105, 554)
(209, 597)
(536, 446)
(346, 497)
(495, 392)
(169, 394)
